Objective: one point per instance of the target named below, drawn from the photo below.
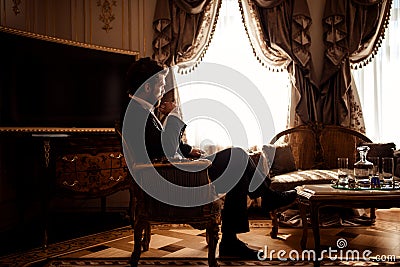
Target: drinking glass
(375, 182)
(387, 171)
(343, 170)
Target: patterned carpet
(197, 262)
(184, 246)
(175, 262)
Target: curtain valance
(353, 29)
(279, 32)
(269, 53)
(268, 3)
(183, 30)
(373, 34)
(366, 2)
(192, 6)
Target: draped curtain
(183, 30)
(353, 32)
(279, 32)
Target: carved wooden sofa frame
(314, 146)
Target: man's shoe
(273, 200)
(238, 249)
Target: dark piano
(59, 102)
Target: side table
(314, 197)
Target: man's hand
(196, 153)
(166, 107)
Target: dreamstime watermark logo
(141, 142)
(341, 253)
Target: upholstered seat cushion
(290, 180)
(280, 158)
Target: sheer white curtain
(230, 47)
(378, 85)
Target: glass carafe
(363, 168)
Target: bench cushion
(290, 180)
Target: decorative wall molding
(16, 6)
(106, 16)
(67, 42)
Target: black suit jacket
(147, 140)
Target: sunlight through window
(377, 84)
(230, 47)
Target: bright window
(230, 47)
(378, 86)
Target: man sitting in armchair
(232, 169)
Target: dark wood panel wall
(49, 84)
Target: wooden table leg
(372, 214)
(314, 210)
(275, 225)
(303, 213)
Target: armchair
(146, 210)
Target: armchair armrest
(186, 173)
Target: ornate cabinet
(90, 166)
(70, 163)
